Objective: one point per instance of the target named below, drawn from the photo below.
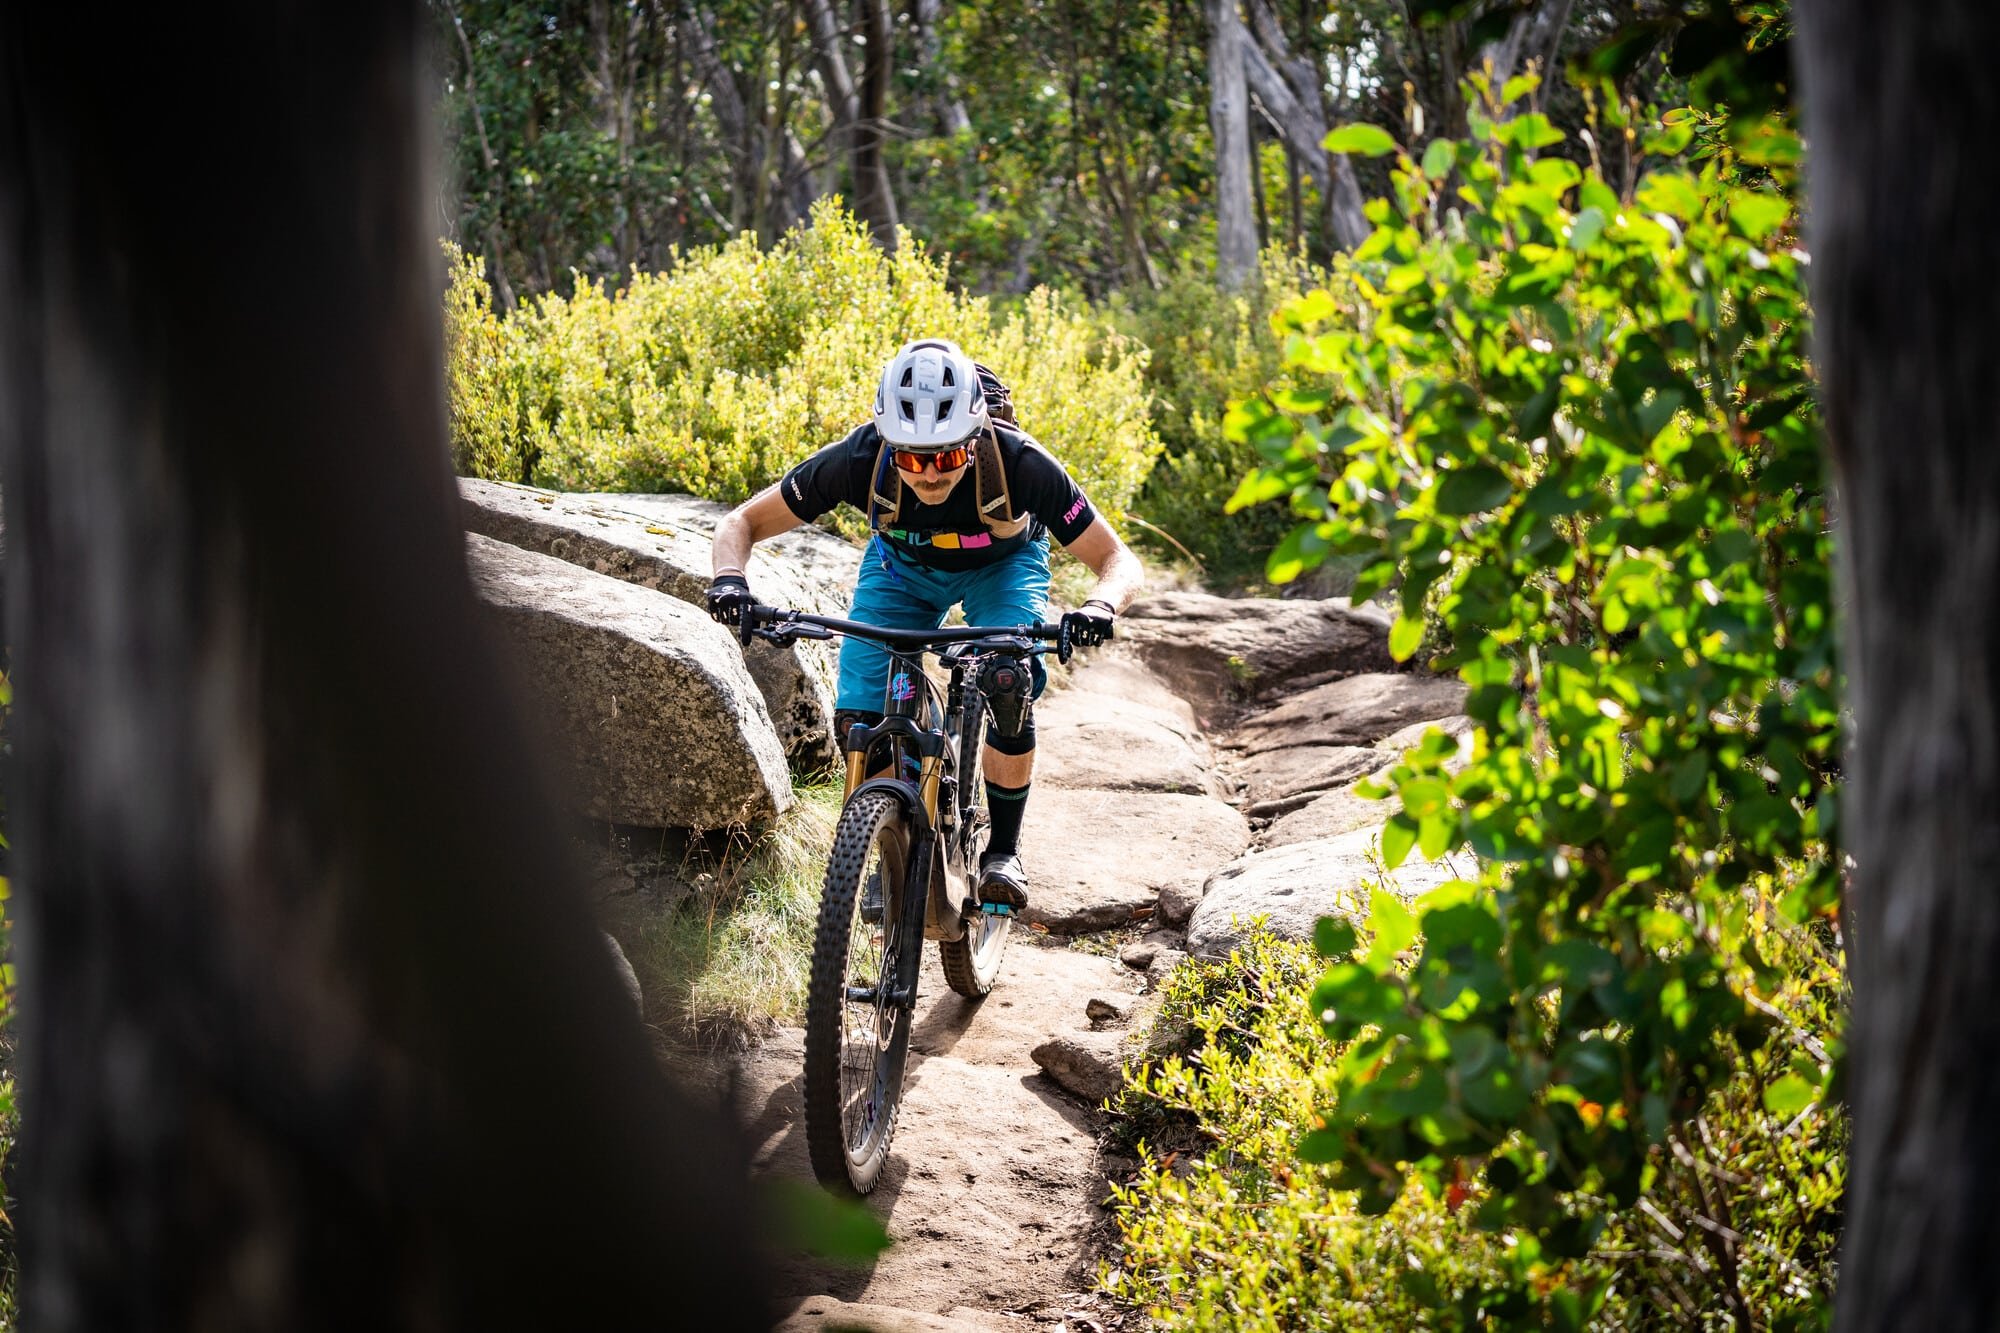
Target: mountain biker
(931, 548)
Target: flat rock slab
(993, 1187)
(1112, 745)
(1116, 671)
(810, 552)
(1281, 775)
(666, 547)
(1221, 651)
(824, 1314)
(1293, 886)
(655, 717)
(1328, 816)
(1358, 710)
(1098, 859)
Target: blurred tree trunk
(1293, 91)
(1902, 115)
(951, 114)
(1229, 123)
(860, 112)
(316, 1029)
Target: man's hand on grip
(727, 598)
(1090, 624)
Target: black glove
(727, 597)
(1090, 624)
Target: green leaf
(1757, 214)
(1585, 229)
(1367, 140)
(1399, 835)
(1785, 1097)
(1423, 797)
(1436, 834)
(1333, 937)
(1531, 131)
(810, 1219)
(1405, 636)
(1471, 490)
(1439, 158)
(1673, 193)
(1395, 926)
(1297, 553)
(1320, 1145)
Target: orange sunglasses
(944, 460)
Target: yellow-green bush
(716, 375)
(1210, 347)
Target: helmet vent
(909, 409)
(908, 375)
(944, 409)
(949, 382)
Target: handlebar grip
(746, 625)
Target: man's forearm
(731, 551)
(1119, 579)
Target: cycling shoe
(1002, 880)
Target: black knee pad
(848, 718)
(1020, 744)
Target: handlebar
(780, 625)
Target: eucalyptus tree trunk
(1292, 89)
(316, 1030)
(1902, 117)
(1229, 125)
(860, 111)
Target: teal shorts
(896, 593)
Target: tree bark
(859, 111)
(1229, 123)
(316, 1029)
(952, 118)
(1292, 91)
(1901, 118)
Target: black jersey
(948, 536)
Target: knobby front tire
(857, 1034)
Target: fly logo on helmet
(933, 397)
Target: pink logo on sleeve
(1074, 510)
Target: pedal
(997, 909)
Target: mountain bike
(907, 846)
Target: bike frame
(917, 721)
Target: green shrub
(1208, 349)
(1579, 426)
(718, 374)
(1225, 1228)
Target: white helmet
(930, 397)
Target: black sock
(1005, 805)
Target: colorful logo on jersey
(949, 541)
(1074, 510)
(902, 689)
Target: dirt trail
(995, 1189)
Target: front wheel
(857, 1025)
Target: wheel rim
(868, 1028)
(989, 938)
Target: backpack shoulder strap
(885, 491)
(996, 503)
